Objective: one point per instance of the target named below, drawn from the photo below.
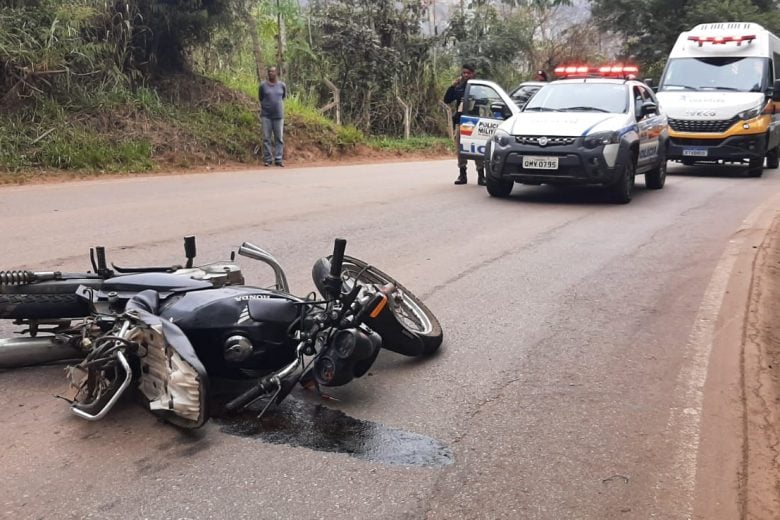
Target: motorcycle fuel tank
(220, 323)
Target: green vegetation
(140, 85)
(413, 144)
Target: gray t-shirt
(271, 99)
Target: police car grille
(551, 141)
(711, 126)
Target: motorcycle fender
(173, 380)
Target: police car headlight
(752, 112)
(502, 138)
(601, 139)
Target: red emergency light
(584, 71)
(722, 40)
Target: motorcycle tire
(410, 328)
(44, 300)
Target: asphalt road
(572, 382)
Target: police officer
(455, 94)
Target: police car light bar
(722, 40)
(581, 71)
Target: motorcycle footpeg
(250, 395)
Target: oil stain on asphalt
(299, 423)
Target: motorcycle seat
(148, 301)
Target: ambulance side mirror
(774, 92)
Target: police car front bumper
(576, 164)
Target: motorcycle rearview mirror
(189, 249)
(333, 279)
(319, 272)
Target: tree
(374, 52)
(649, 28)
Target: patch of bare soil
(761, 380)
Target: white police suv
(597, 127)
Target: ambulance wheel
(772, 159)
(755, 167)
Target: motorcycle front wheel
(409, 328)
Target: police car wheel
(656, 178)
(499, 187)
(622, 190)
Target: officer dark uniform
(455, 94)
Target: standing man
(455, 94)
(272, 93)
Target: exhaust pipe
(22, 352)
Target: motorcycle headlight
(502, 138)
(751, 112)
(601, 139)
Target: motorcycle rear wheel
(410, 328)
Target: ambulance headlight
(601, 139)
(752, 112)
(502, 138)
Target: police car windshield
(721, 73)
(580, 97)
(521, 95)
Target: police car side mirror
(499, 110)
(468, 106)
(648, 108)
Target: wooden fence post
(448, 111)
(407, 117)
(336, 103)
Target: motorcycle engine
(350, 354)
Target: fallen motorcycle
(165, 331)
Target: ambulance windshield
(718, 73)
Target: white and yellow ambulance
(721, 93)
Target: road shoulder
(737, 474)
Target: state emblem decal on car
(467, 125)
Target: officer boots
(462, 177)
(481, 176)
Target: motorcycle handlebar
(339, 245)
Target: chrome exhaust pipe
(22, 352)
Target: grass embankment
(181, 123)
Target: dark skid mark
(297, 423)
